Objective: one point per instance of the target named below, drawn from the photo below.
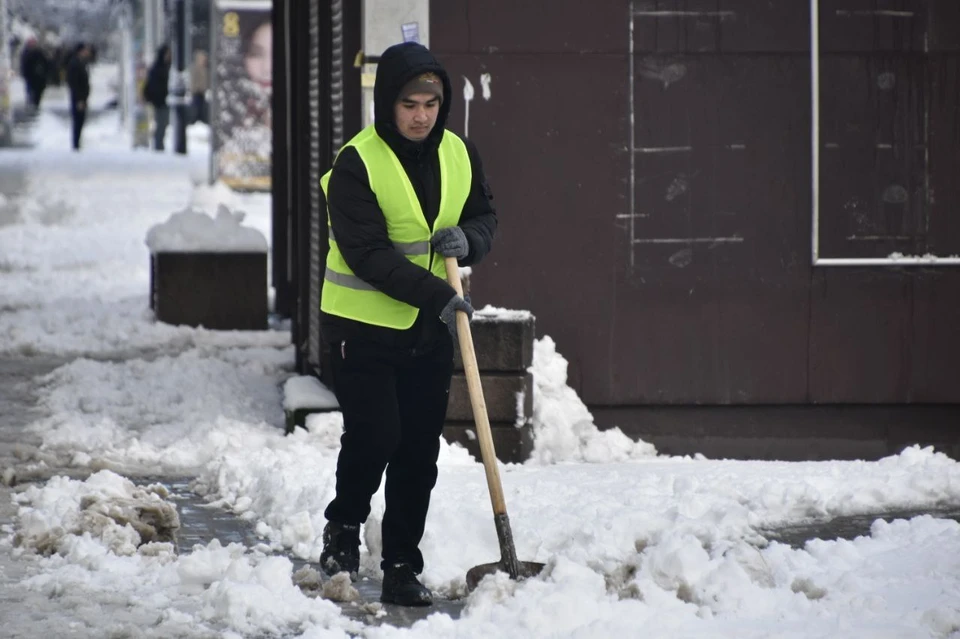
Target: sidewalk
(29, 614)
(635, 542)
(33, 614)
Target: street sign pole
(181, 26)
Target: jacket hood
(398, 65)
(161, 54)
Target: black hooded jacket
(156, 89)
(360, 227)
(34, 66)
(78, 78)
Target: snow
(493, 313)
(925, 258)
(635, 543)
(306, 391)
(188, 230)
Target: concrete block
(304, 395)
(220, 291)
(509, 397)
(511, 444)
(502, 342)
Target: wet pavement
(848, 526)
(200, 523)
(13, 180)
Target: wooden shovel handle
(472, 372)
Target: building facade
(738, 220)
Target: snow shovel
(508, 553)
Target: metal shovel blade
(508, 563)
(525, 569)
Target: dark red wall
(684, 276)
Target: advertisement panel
(6, 75)
(241, 127)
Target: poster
(141, 123)
(243, 84)
(6, 72)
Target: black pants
(394, 404)
(35, 94)
(77, 117)
(161, 120)
(198, 111)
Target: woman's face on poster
(259, 58)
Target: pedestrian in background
(199, 84)
(34, 67)
(155, 92)
(78, 81)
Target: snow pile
(493, 313)
(668, 567)
(93, 532)
(107, 507)
(563, 428)
(191, 230)
(306, 391)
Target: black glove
(449, 313)
(450, 242)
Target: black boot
(341, 549)
(401, 587)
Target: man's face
(416, 115)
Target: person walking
(199, 84)
(402, 194)
(78, 81)
(34, 67)
(155, 92)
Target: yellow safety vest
(345, 294)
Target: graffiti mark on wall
(485, 85)
(661, 70)
(469, 94)
(467, 99)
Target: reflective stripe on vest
(407, 248)
(345, 294)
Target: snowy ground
(635, 544)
